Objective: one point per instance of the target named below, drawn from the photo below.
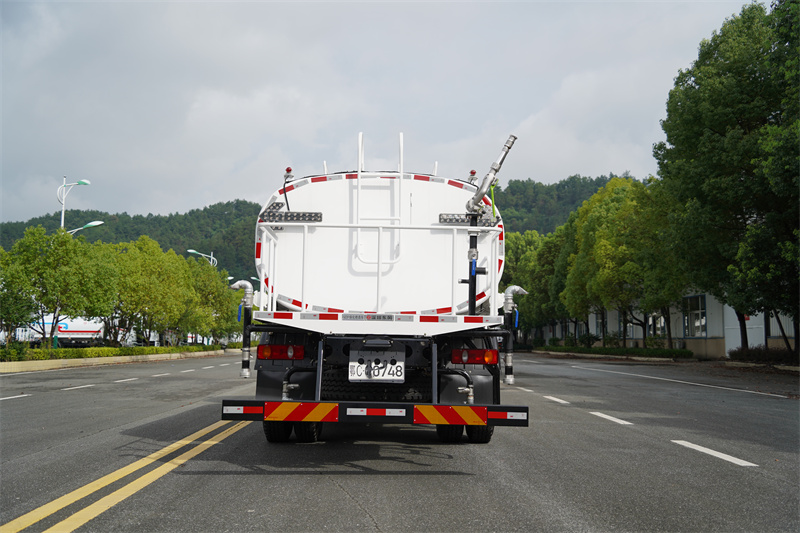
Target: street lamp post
(63, 191)
(211, 259)
(89, 225)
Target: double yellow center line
(91, 511)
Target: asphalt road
(611, 447)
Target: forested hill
(529, 205)
(227, 229)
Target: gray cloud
(172, 106)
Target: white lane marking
(524, 389)
(206, 367)
(190, 370)
(715, 453)
(559, 400)
(12, 397)
(159, 375)
(224, 364)
(680, 381)
(124, 380)
(617, 420)
(79, 387)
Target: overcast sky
(171, 106)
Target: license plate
(384, 367)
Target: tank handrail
(397, 207)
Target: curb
(58, 364)
(636, 358)
(737, 364)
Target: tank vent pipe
(508, 308)
(247, 304)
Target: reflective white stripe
(233, 410)
(517, 416)
(294, 315)
(360, 411)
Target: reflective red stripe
(428, 318)
(422, 178)
(319, 178)
(455, 184)
(282, 315)
(473, 319)
(258, 250)
(328, 316)
(444, 310)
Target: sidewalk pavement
(10, 367)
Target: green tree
(537, 268)
(516, 245)
(17, 306)
(54, 270)
(730, 161)
(558, 280)
(663, 277)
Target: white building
(705, 326)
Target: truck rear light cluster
(280, 351)
(474, 357)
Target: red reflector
(474, 357)
(280, 351)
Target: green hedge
(29, 354)
(762, 354)
(634, 352)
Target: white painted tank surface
(374, 242)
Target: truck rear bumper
(375, 412)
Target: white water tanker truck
(378, 302)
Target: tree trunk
(783, 333)
(666, 315)
(624, 329)
(796, 335)
(604, 326)
(742, 330)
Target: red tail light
(280, 351)
(474, 357)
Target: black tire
(480, 434)
(277, 431)
(308, 431)
(450, 433)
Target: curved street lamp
(89, 225)
(63, 191)
(211, 259)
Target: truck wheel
(308, 431)
(480, 434)
(277, 431)
(450, 433)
